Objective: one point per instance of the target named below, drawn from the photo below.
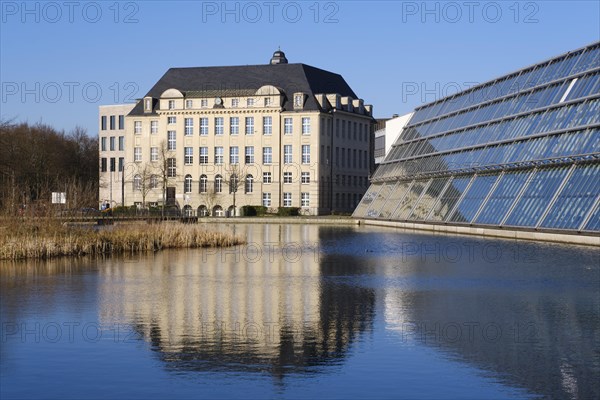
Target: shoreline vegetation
(31, 239)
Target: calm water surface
(304, 312)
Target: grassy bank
(21, 239)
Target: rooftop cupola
(279, 58)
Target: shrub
(254, 211)
(288, 211)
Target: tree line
(36, 160)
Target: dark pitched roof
(289, 77)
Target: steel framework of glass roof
(520, 151)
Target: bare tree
(148, 180)
(210, 198)
(235, 177)
(166, 167)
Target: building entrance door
(170, 196)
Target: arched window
(202, 211)
(137, 183)
(249, 183)
(153, 182)
(188, 211)
(218, 211)
(187, 184)
(218, 184)
(203, 183)
(233, 183)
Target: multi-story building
(517, 154)
(112, 152)
(212, 139)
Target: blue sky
(60, 60)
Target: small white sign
(59, 198)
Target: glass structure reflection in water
(520, 151)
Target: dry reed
(34, 240)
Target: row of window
(104, 166)
(540, 98)
(565, 197)
(250, 102)
(573, 115)
(234, 126)
(111, 122)
(219, 154)
(576, 143)
(112, 141)
(540, 74)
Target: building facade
(212, 139)
(521, 152)
(386, 134)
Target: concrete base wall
(582, 239)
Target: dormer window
(204, 103)
(188, 104)
(171, 104)
(147, 104)
(268, 101)
(299, 99)
(249, 102)
(235, 102)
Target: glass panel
(537, 196)
(381, 197)
(364, 204)
(504, 195)
(594, 222)
(429, 199)
(404, 209)
(477, 193)
(576, 198)
(394, 199)
(448, 200)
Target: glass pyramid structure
(521, 151)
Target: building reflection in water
(265, 306)
(531, 323)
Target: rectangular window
(112, 122)
(113, 165)
(103, 164)
(171, 140)
(305, 154)
(267, 155)
(219, 155)
(234, 125)
(171, 104)
(266, 200)
(305, 177)
(288, 126)
(112, 143)
(137, 127)
(121, 122)
(203, 155)
(267, 125)
(287, 177)
(234, 155)
(235, 102)
(171, 120)
(305, 199)
(249, 102)
(103, 144)
(189, 104)
(218, 125)
(287, 199)
(121, 143)
(154, 127)
(171, 167)
(267, 101)
(305, 126)
(249, 125)
(153, 154)
(188, 155)
(267, 177)
(137, 154)
(249, 154)
(203, 126)
(103, 122)
(189, 126)
(121, 163)
(287, 154)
